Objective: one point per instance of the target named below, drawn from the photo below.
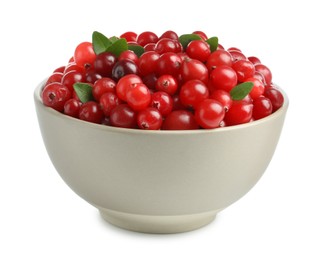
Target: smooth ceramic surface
(158, 181)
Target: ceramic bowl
(158, 181)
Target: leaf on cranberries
(100, 42)
(213, 43)
(137, 49)
(118, 47)
(84, 91)
(185, 39)
(240, 91)
(113, 39)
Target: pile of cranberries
(171, 83)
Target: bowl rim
(278, 113)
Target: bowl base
(158, 224)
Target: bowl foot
(158, 224)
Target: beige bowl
(158, 181)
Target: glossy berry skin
(262, 107)
(167, 83)
(150, 80)
(102, 86)
(70, 78)
(199, 50)
(84, 55)
(54, 77)
(72, 107)
(275, 96)
(167, 45)
(218, 58)
(108, 101)
(244, 69)
(163, 102)
(125, 83)
(194, 69)
(123, 116)
(237, 55)
(138, 97)
(147, 63)
(239, 113)
(169, 35)
(146, 37)
(74, 67)
(222, 97)
(130, 55)
(201, 34)
(169, 63)
(209, 114)
(104, 63)
(265, 71)
(258, 88)
(254, 60)
(129, 36)
(92, 76)
(223, 77)
(55, 96)
(124, 67)
(193, 92)
(91, 112)
(180, 120)
(149, 119)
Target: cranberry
(124, 67)
(198, 50)
(130, 55)
(275, 96)
(91, 112)
(149, 119)
(72, 107)
(147, 62)
(194, 69)
(146, 37)
(72, 66)
(262, 107)
(102, 86)
(54, 77)
(167, 83)
(163, 102)
(108, 101)
(258, 88)
(125, 83)
(129, 36)
(223, 77)
(123, 116)
(70, 78)
(55, 96)
(169, 63)
(218, 58)
(254, 60)
(223, 97)
(193, 92)
(84, 54)
(150, 81)
(138, 97)
(265, 71)
(104, 63)
(180, 120)
(244, 69)
(237, 55)
(166, 45)
(239, 113)
(201, 34)
(209, 113)
(169, 35)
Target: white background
(41, 218)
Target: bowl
(158, 181)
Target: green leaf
(83, 91)
(185, 39)
(241, 90)
(113, 39)
(118, 47)
(139, 50)
(213, 42)
(100, 42)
